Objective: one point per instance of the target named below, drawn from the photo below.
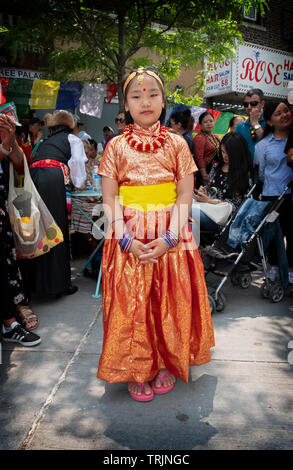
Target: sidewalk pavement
(52, 400)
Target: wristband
(119, 218)
(170, 238)
(3, 150)
(125, 242)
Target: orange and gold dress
(155, 316)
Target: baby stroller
(240, 249)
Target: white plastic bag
(23, 208)
(77, 161)
(219, 213)
(35, 231)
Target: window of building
(252, 16)
(249, 13)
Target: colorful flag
(196, 111)
(92, 99)
(19, 91)
(4, 86)
(68, 95)
(111, 91)
(44, 94)
(222, 123)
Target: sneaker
(19, 335)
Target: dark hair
(22, 130)
(255, 91)
(203, 115)
(93, 142)
(239, 163)
(183, 117)
(269, 109)
(231, 123)
(128, 117)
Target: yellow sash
(148, 198)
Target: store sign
(255, 66)
(218, 78)
(8, 72)
(262, 67)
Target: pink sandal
(143, 396)
(161, 390)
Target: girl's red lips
(146, 112)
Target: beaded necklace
(253, 134)
(214, 142)
(141, 146)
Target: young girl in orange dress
(156, 313)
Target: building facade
(264, 61)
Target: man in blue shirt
(253, 128)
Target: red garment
(155, 316)
(27, 149)
(49, 163)
(204, 149)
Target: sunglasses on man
(252, 103)
(120, 120)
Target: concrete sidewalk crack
(35, 425)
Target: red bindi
(143, 89)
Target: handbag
(218, 213)
(34, 229)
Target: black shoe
(71, 290)
(19, 335)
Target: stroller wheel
(212, 303)
(245, 281)
(265, 290)
(276, 293)
(220, 302)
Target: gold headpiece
(140, 71)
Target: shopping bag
(34, 229)
(219, 213)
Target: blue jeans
(207, 224)
(201, 223)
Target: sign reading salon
(218, 78)
(255, 66)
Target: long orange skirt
(155, 316)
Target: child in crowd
(156, 312)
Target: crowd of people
(146, 163)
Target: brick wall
(274, 31)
